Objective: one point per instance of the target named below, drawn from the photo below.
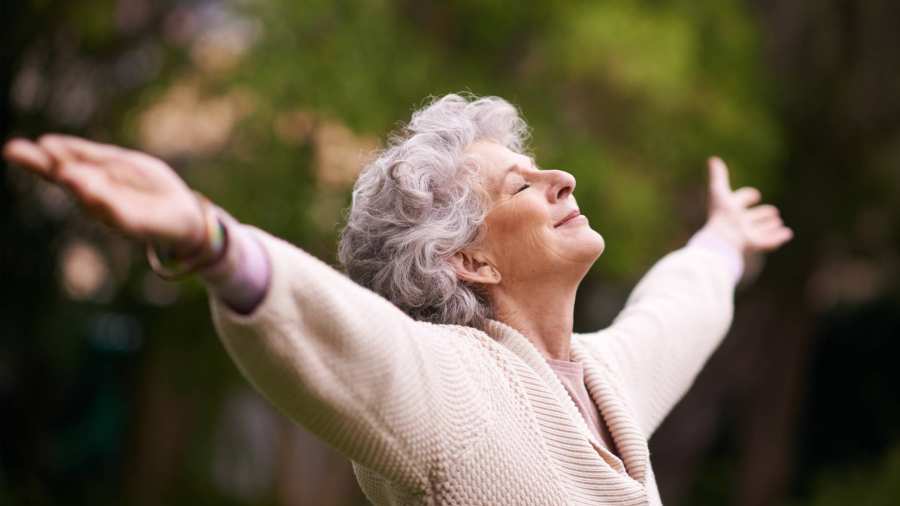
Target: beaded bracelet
(215, 243)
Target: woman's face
(533, 228)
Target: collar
(600, 383)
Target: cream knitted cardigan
(446, 414)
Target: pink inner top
(571, 374)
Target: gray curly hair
(421, 201)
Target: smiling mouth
(574, 214)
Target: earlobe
(474, 268)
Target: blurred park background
(114, 388)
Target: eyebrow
(512, 168)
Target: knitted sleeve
(673, 320)
(388, 392)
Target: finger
(718, 177)
(775, 238)
(63, 152)
(746, 196)
(96, 194)
(104, 156)
(55, 146)
(768, 225)
(762, 212)
(29, 155)
(782, 236)
(77, 148)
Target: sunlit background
(114, 388)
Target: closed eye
(522, 188)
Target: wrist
(712, 238)
(717, 229)
(196, 241)
(175, 263)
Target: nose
(562, 184)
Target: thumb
(719, 186)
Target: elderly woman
(445, 366)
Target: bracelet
(215, 243)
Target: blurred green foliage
(871, 485)
(629, 96)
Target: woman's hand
(132, 192)
(749, 229)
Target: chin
(599, 243)
(591, 245)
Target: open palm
(750, 229)
(133, 192)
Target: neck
(542, 312)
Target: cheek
(518, 233)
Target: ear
(474, 268)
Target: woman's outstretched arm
(388, 392)
(349, 365)
(680, 311)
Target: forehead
(494, 160)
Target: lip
(574, 214)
